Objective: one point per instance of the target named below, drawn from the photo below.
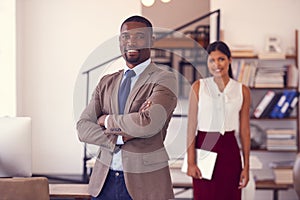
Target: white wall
(7, 58)
(251, 21)
(54, 39)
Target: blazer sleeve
(162, 90)
(87, 128)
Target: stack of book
(283, 172)
(242, 51)
(270, 77)
(281, 139)
(276, 104)
(271, 55)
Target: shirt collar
(139, 68)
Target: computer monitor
(15, 147)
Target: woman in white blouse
(218, 107)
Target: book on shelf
(282, 148)
(285, 104)
(275, 113)
(243, 54)
(283, 171)
(271, 55)
(283, 176)
(276, 104)
(283, 139)
(280, 131)
(263, 103)
(246, 75)
(241, 71)
(290, 102)
(244, 72)
(263, 175)
(269, 81)
(242, 51)
(282, 164)
(271, 105)
(292, 76)
(282, 134)
(270, 76)
(281, 142)
(268, 85)
(292, 105)
(252, 75)
(235, 66)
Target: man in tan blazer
(132, 162)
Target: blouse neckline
(225, 88)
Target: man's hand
(101, 120)
(126, 139)
(145, 106)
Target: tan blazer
(145, 160)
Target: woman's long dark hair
(221, 46)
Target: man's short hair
(137, 18)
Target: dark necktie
(124, 90)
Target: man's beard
(132, 60)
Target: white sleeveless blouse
(219, 111)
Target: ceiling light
(165, 1)
(148, 3)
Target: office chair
(24, 188)
(296, 175)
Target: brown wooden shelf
(274, 151)
(270, 184)
(256, 57)
(294, 118)
(273, 88)
(274, 119)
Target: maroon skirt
(225, 180)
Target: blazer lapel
(143, 79)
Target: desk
(180, 180)
(271, 185)
(73, 191)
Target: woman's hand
(244, 178)
(194, 171)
